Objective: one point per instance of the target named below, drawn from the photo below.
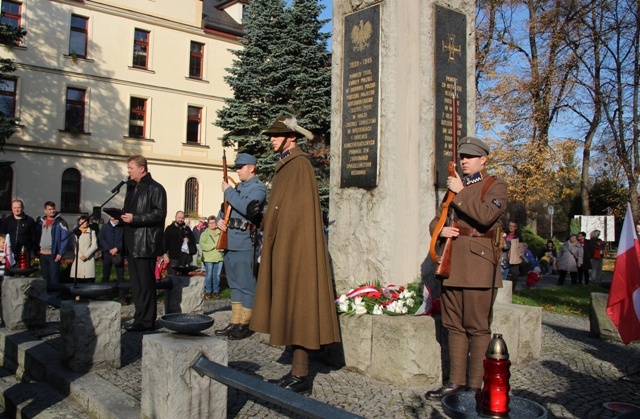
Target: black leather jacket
(143, 237)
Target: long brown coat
(294, 299)
(472, 258)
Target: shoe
(444, 390)
(123, 301)
(207, 295)
(216, 295)
(226, 330)
(240, 332)
(137, 327)
(301, 385)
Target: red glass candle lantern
(495, 390)
(23, 260)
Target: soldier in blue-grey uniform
(247, 201)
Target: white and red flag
(623, 306)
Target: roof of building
(213, 17)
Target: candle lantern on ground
(495, 390)
(23, 259)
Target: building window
(137, 117)
(70, 191)
(195, 60)
(8, 97)
(78, 36)
(141, 49)
(191, 196)
(74, 115)
(194, 116)
(11, 13)
(6, 187)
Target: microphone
(117, 188)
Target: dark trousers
(583, 275)
(107, 263)
(50, 269)
(143, 288)
(563, 275)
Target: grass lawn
(568, 299)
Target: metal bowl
(90, 291)
(186, 323)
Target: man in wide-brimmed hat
(294, 298)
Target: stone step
(34, 400)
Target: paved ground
(575, 376)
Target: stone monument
(396, 65)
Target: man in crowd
(179, 244)
(21, 229)
(587, 254)
(294, 298)
(197, 231)
(110, 240)
(145, 211)
(598, 247)
(246, 201)
(469, 291)
(53, 238)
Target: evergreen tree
(9, 36)
(284, 68)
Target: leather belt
(472, 232)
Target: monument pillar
(396, 65)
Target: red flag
(623, 306)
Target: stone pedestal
(171, 388)
(185, 296)
(600, 324)
(505, 294)
(412, 350)
(19, 311)
(90, 334)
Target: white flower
(361, 309)
(404, 310)
(344, 306)
(410, 302)
(358, 301)
(377, 310)
(392, 307)
(342, 298)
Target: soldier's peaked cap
(472, 146)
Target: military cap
(244, 158)
(472, 146)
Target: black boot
(240, 332)
(294, 383)
(225, 332)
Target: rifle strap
(486, 186)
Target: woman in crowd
(212, 258)
(512, 254)
(84, 264)
(570, 259)
(549, 259)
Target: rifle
(444, 260)
(223, 241)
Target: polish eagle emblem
(360, 35)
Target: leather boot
(235, 320)
(240, 332)
(228, 329)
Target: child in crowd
(533, 277)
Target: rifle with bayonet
(223, 241)
(447, 214)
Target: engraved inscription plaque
(451, 76)
(360, 98)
